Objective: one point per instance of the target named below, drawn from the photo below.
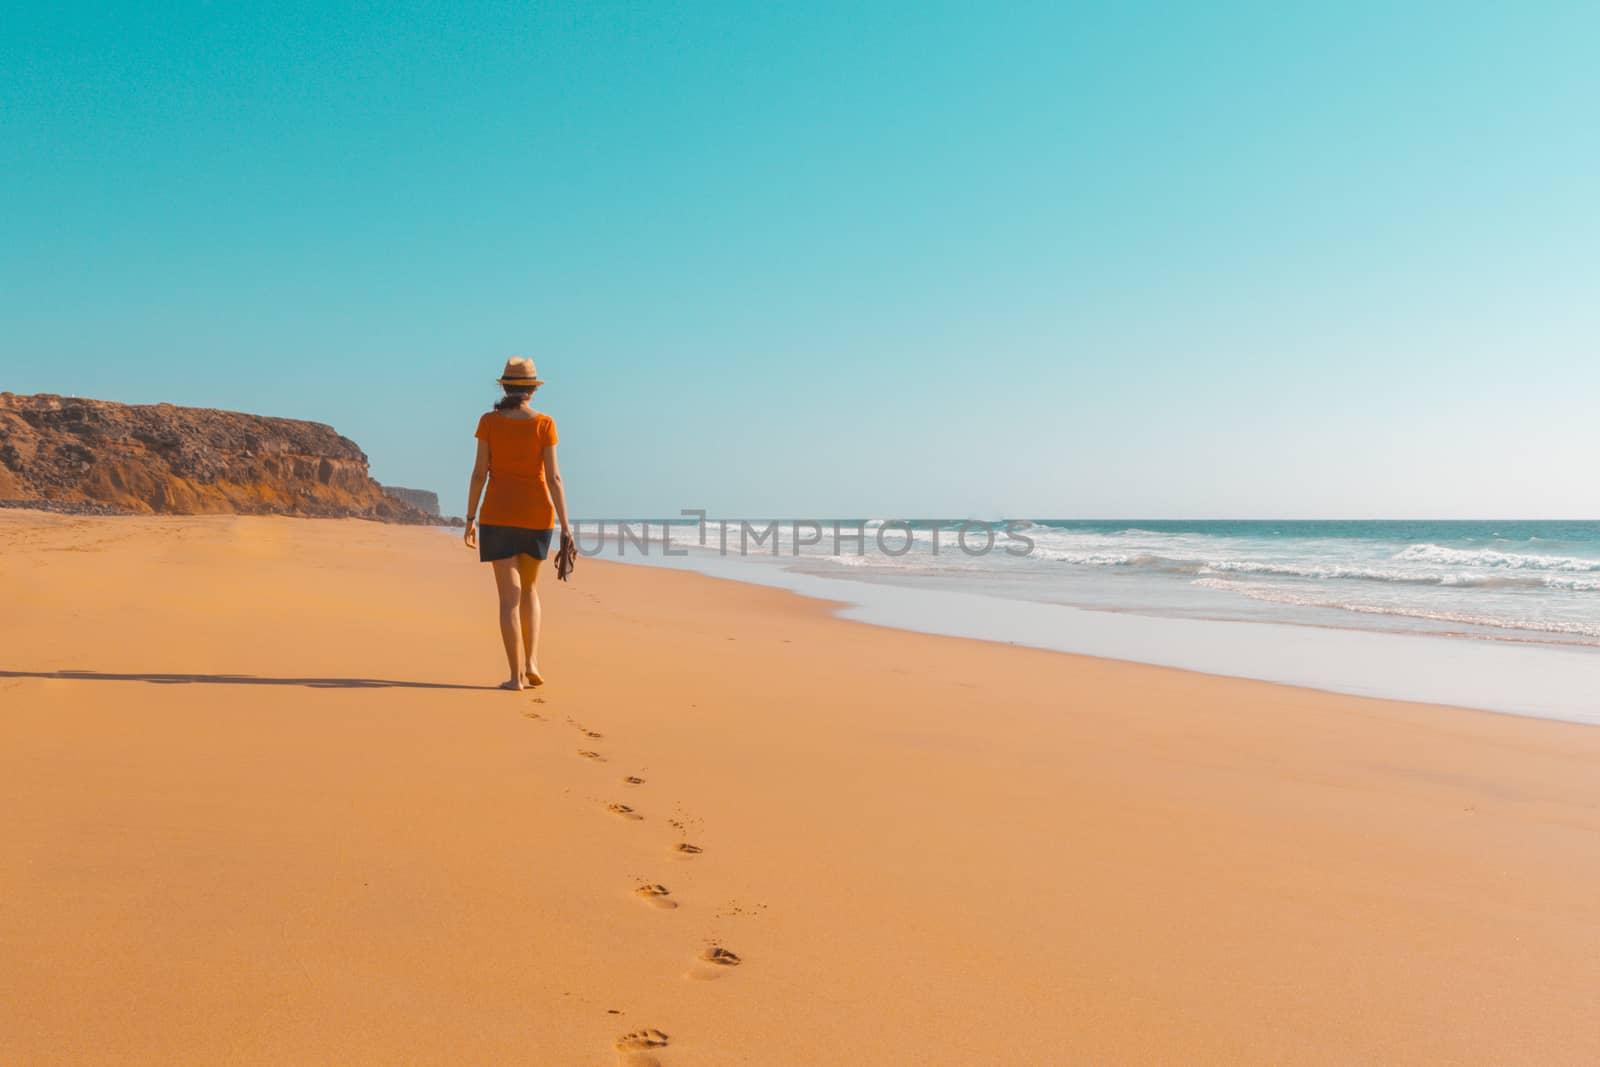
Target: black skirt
(506, 542)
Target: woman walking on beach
(517, 455)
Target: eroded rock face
(187, 461)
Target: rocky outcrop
(65, 451)
(424, 500)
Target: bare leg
(528, 571)
(505, 581)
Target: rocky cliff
(64, 451)
(422, 499)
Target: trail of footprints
(713, 962)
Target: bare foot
(532, 674)
(514, 683)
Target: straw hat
(520, 371)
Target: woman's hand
(471, 536)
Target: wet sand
(264, 807)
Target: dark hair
(515, 395)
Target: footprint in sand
(687, 849)
(596, 734)
(657, 895)
(586, 754)
(632, 780)
(640, 1040)
(624, 811)
(532, 715)
(632, 1049)
(714, 962)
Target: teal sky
(1176, 260)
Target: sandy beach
(264, 807)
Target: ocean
(1461, 584)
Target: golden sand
(263, 806)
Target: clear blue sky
(787, 259)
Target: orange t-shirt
(517, 493)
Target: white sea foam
(1082, 559)
(1577, 585)
(1459, 557)
(1313, 599)
(1459, 579)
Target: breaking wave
(1462, 557)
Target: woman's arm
(558, 495)
(480, 474)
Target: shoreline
(284, 818)
(1525, 680)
